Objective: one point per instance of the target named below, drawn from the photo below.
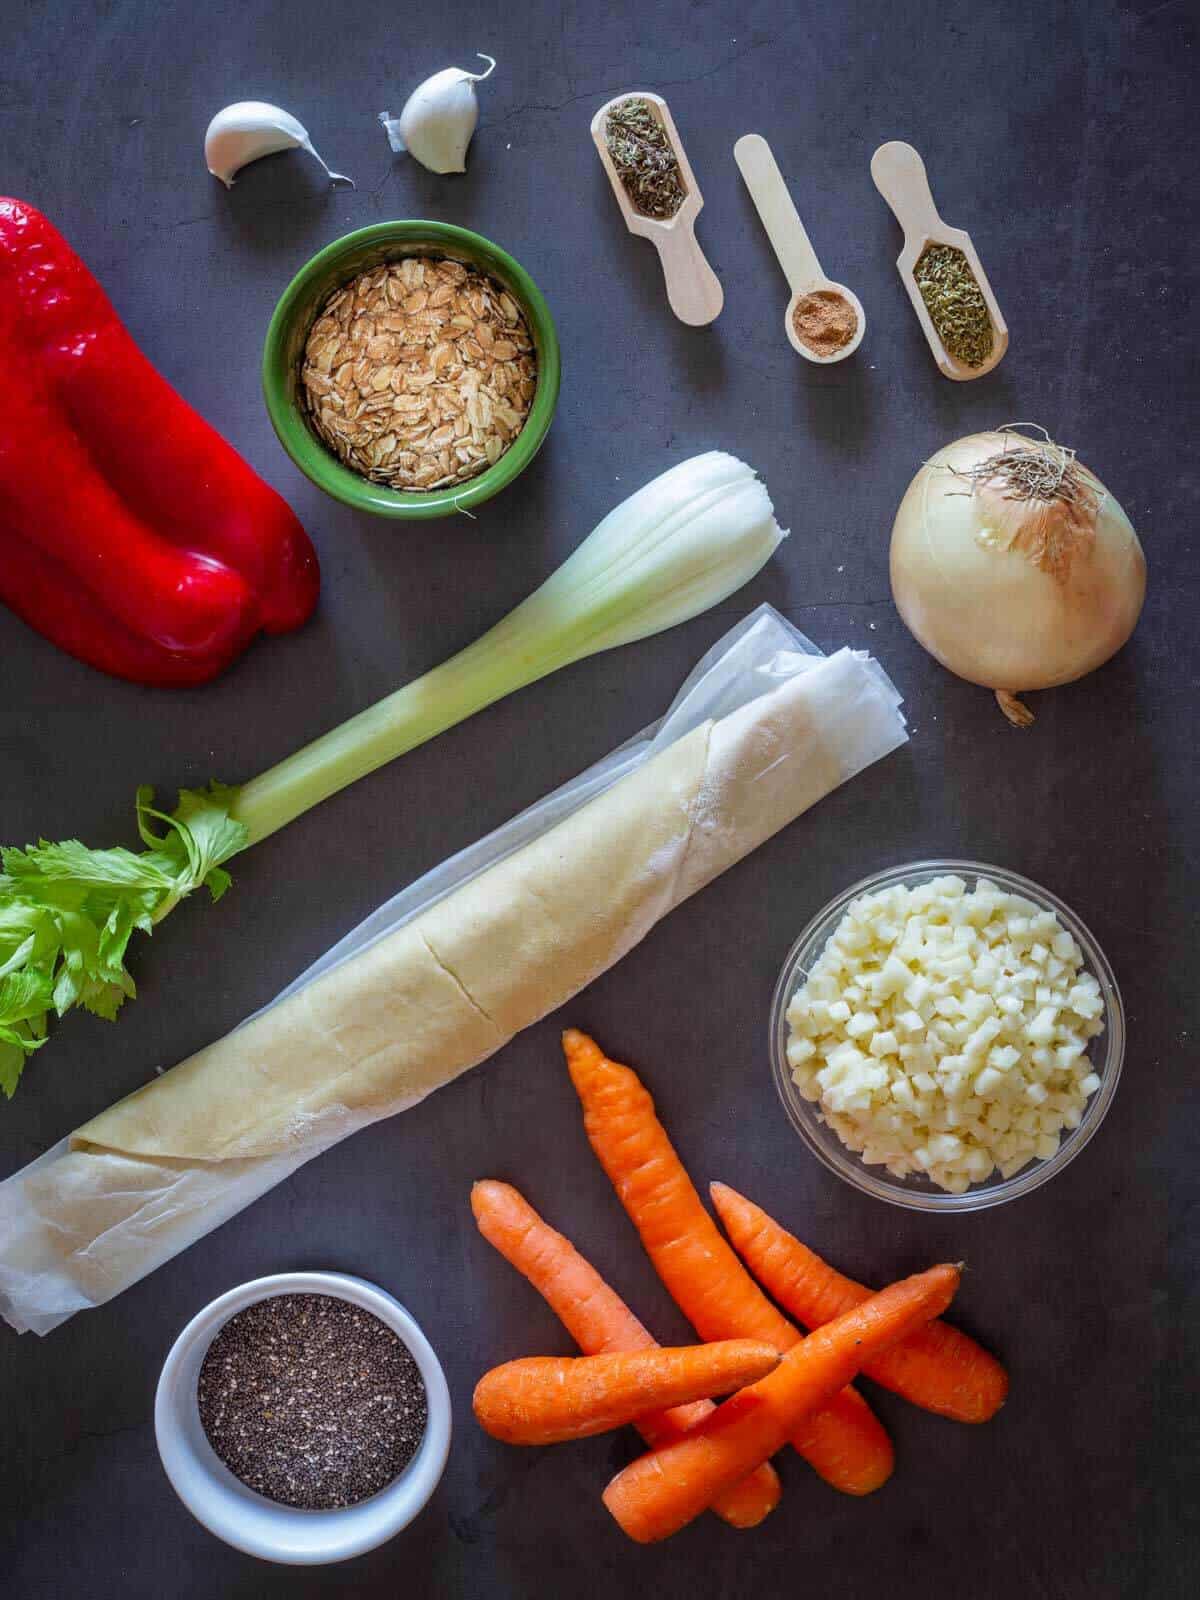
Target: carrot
(665, 1489)
(844, 1442)
(548, 1399)
(599, 1320)
(937, 1367)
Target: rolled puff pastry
(442, 993)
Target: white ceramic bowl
(249, 1521)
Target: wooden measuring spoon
(791, 243)
(693, 288)
(900, 177)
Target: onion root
(1015, 710)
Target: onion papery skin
(991, 614)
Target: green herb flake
(644, 159)
(955, 303)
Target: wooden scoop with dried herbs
(955, 303)
(646, 164)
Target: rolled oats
(419, 374)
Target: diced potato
(846, 1057)
(1041, 1029)
(979, 1165)
(861, 1024)
(947, 1031)
(987, 1081)
(979, 1041)
(918, 991)
(1010, 1168)
(800, 1049)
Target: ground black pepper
(311, 1400)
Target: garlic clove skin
(439, 118)
(243, 132)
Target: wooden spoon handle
(789, 241)
(900, 177)
(693, 288)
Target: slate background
(1060, 135)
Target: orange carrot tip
(549, 1399)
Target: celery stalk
(678, 546)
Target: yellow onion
(1014, 566)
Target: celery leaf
(67, 913)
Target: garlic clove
(243, 132)
(439, 118)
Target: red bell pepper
(131, 533)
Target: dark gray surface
(1059, 135)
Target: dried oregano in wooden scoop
(644, 159)
(955, 303)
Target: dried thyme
(645, 162)
(955, 303)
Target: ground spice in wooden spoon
(824, 322)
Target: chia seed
(311, 1401)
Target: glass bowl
(1106, 1051)
(296, 312)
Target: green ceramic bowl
(297, 311)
